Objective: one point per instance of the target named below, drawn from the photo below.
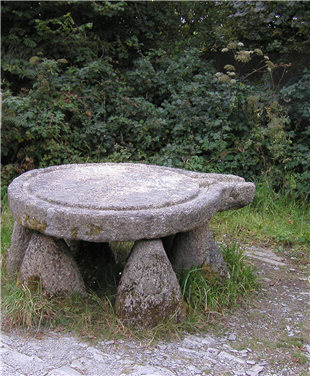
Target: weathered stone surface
(108, 202)
(149, 291)
(197, 248)
(50, 261)
(19, 243)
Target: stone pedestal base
(196, 249)
(50, 260)
(19, 242)
(43, 260)
(149, 291)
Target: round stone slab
(102, 202)
(112, 187)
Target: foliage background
(129, 81)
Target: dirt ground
(275, 323)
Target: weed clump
(214, 295)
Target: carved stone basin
(164, 210)
(121, 202)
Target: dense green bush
(170, 110)
(296, 98)
(114, 81)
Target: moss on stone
(34, 224)
(74, 233)
(93, 230)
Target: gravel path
(271, 336)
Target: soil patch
(275, 323)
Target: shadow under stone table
(165, 211)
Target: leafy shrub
(168, 110)
(296, 97)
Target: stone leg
(149, 292)
(49, 261)
(19, 242)
(195, 249)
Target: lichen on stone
(93, 230)
(34, 223)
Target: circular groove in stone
(112, 187)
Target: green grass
(29, 309)
(266, 221)
(217, 295)
(272, 220)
